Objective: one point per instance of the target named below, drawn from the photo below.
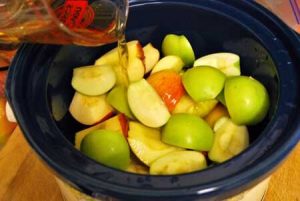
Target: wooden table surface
(25, 178)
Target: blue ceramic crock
(38, 87)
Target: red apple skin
(138, 53)
(6, 127)
(168, 85)
(106, 117)
(124, 124)
(3, 75)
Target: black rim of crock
(245, 177)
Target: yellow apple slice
(109, 58)
(170, 62)
(152, 56)
(136, 66)
(135, 69)
(146, 104)
(116, 123)
(187, 105)
(89, 110)
(145, 143)
(93, 80)
(228, 63)
(136, 166)
(178, 162)
(230, 140)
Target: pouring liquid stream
(121, 69)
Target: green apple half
(117, 98)
(107, 147)
(116, 123)
(180, 46)
(247, 100)
(203, 83)
(188, 131)
(228, 63)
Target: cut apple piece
(135, 50)
(137, 167)
(187, 105)
(178, 45)
(117, 123)
(169, 62)
(109, 58)
(6, 127)
(107, 147)
(135, 66)
(188, 131)
(230, 140)
(168, 85)
(178, 162)
(146, 144)
(247, 100)
(146, 104)
(89, 110)
(203, 83)
(117, 98)
(93, 80)
(228, 63)
(218, 112)
(152, 56)
(135, 69)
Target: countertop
(25, 178)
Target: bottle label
(75, 13)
